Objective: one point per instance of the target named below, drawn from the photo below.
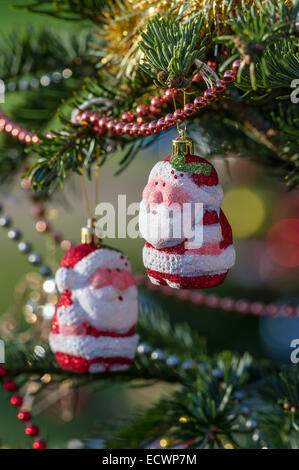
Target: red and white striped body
(178, 262)
(94, 327)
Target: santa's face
(109, 299)
(164, 219)
(159, 191)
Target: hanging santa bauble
(94, 327)
(188, 238)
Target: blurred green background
(253, 203)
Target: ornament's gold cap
(88, 232)
(182, 144)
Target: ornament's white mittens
(200, 257)
(94, 327)
(72, 315)
(68, 279)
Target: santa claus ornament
(94, 327)
(188, 238)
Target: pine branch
(152, 325)
(206, 411)
(32, 53)
(203, 412)
(279, 419)
(274, 72)
(74, 148)
(274, 144)
(70, 10)
(256, 28)
(170, 48)
(36, 108)
(209, 412)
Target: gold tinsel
(128, 18)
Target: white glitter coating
(198, 240)
(99, 367)
(67, 278)
(208, 195)
(112, 308)
(102, 258)
(71, 315)
(190, 264)
(104, 313)
(89, 347)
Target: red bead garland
(32, 430)
(127, 125)
(220, 86)
(225, 303)
(39, 444)
(229, 76)
(24, 416)
(10, 386)
(209, 94)
(16, 131)
(189, 109)
(16, 400)
(3, 372)
(199, 102)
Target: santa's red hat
(197, 177)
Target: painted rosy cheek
(156, 197)
(149, 188)
(122, 280)
(159, 190)
(100, 278)
(173, 195)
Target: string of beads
(11, 387)
(228, 304)
(135, 124)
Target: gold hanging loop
(182, 144)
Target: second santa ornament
(94, 327)
(188, 238)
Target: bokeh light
(49, 286)
(41, 226)
(244, 210)
(48, 311)
(283, 242)
(163, 443)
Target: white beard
(105, 311)
(164, 226)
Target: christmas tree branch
(211, 407)
(70, 10)
(212, 410)
(256, 28)
(203, 412)
(153, 326)
(170, 48)
(174, 44)
(31, 53)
